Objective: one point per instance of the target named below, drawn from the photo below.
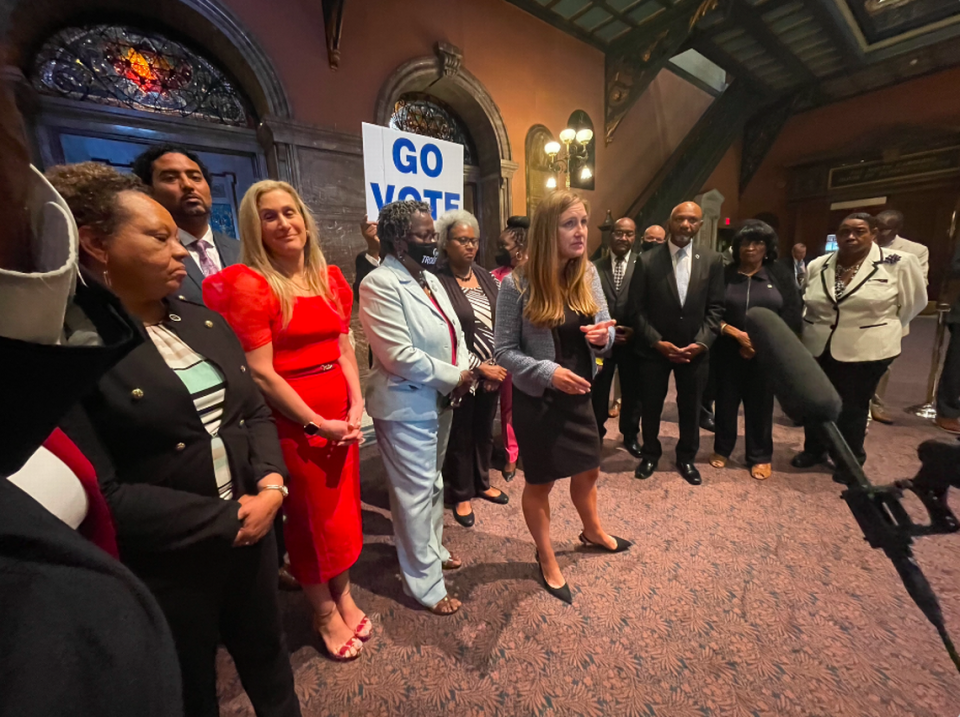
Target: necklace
(468, 277)
(839, 286)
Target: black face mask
(648, 245)
(503, 258)
(424, 254)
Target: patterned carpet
(740, 598)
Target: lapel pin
(697, 256)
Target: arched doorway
(444, 82)
(103, 86)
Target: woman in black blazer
(185, 450)
(473, 294)
(755, 278)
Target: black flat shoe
(633, 448)
(562, 592)
(622, 544)
(807, 460)
(645, 469)
(467, 520)
(501, 499)
(690, 473)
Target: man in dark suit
(367, 260)
(181, 183)
(616, 272)
(796, 262)
(676, 302)
(948, 390)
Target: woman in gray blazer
(419, 369)
(552, 324)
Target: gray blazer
(528, 352)
(411, 344)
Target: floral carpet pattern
(740, 598)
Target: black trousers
(233, 600)
(739, 380)
(466, 468)
(624, 359)
(856, 382)
(948, 392)
(691, 379)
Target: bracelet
(282, 488)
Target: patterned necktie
(206, 263)
(618, 266)
(683, 274)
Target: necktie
(618, 273)
(683, 274)
(206, 263)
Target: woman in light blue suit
(419, 369)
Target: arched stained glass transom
(126, 67)
(424, 114)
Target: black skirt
(556, 433)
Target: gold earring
(106, 279)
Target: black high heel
(562, 592)
(622, 545)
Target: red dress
(323, 528)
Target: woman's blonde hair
(254, 254)
(548, 293)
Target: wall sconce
(570, 156)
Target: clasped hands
(342, 433)
(675, 354)
(747, 349)
(258, 511)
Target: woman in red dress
(291, 312)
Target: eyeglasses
(466, 241)
(619, 233)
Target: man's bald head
(655, 233)
(685, 222)
(622, 237)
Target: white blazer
(411, 344)
(866, 324)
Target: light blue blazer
(411, 344)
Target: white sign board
(398, 166)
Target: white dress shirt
(687, 261)
(625, 259)
(190, 242)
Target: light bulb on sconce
(552, 148)
(551, 183)
(568, 135)
(584, 136)
(571, 157)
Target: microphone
(803, 389)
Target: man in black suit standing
(367, 260)
(796, 262)
(676, 303)
(616, 272)
(181, 183)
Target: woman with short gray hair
(473, 294)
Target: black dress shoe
(622, 544)
(633, 448)
(560, 593)
(807, 460)
(707, 423)
(509, 475)
(645, 469)
(501, 499)
(467, 520)
(689, 472)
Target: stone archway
(444, 76)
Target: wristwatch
(312, 429)
(282, 488)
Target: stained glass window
(424, 114)
(126, 67)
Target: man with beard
(180, 181)
(675, 303)
(616, 272)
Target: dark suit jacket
(654, 301)
(782, 277)
(363, 267)
(617, 303)
(192, 287)
(787, 263)
(152, 452)
(461, 305)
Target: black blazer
(142, 433)
(192, 288)
(787, 263)
(617, 302)
(363, 267)
(782, 277)
(654, 300)
(461, 305)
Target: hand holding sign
(399, 166)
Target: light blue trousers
(412, 453)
